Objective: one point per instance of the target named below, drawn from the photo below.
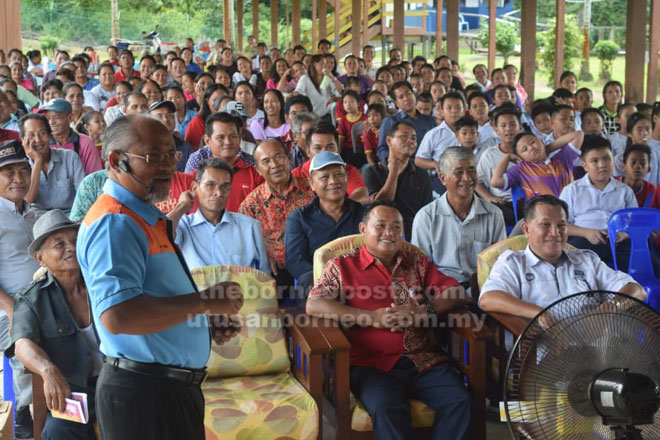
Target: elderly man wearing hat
(52, 332)
(329, 216)
(56, 172)
(16, 264)
(58, 114)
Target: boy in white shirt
(593, 198)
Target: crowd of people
(119, 175)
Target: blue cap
(59, 105)
(325, 158)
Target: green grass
(543, 88)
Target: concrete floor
(495, 430)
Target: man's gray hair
(454, 154)
(302, 118)
(122, 134)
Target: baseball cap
(325, 158)
(158, 104)
(236, 108)
(59, 105)
(12, 152)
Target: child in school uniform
(539, 169)
(592, 199)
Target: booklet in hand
(76, 409)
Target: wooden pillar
(239, 24)
(452, 29)
(255, 19)
(492, 21)
(226, 21)
(635, 47)
(273, 23)
(315, 28)
(337, 36)
(10, 25)
(295, 21)
(323, 19)
(365, 23)
(439, 6)
(528, 47)
(399, 26)
(654, 47)
(559, 40)
(356, 24)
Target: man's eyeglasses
(157, 158)
(212, 186)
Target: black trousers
(131, 406)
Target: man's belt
(185, 375)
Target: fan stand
(626, 433)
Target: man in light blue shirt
(212, 235)
(151, 320)
(453, 229)
(56, 172)
(16, 264)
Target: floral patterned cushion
(422, 415)
(271, 406)
(260, 347)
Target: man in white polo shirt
(522, 283)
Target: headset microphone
(125, 167)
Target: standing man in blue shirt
(404, 98)
(151, 320)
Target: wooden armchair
(267, 381)
(502, 325)
(465, 343)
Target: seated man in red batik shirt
(273, 201)
(379, 289)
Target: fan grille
(578, 336)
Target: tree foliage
(87, 22)
(506, 38)
(572, 45)
(607, 52)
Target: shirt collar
(50, 279)
(292, 186)
(476, 208)
(409, 169)
(73, 138)
(148, 212)
(533, 259)
(198, 218)
(366, 259)
(8, 205)
(586, 182)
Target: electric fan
(586, 367)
